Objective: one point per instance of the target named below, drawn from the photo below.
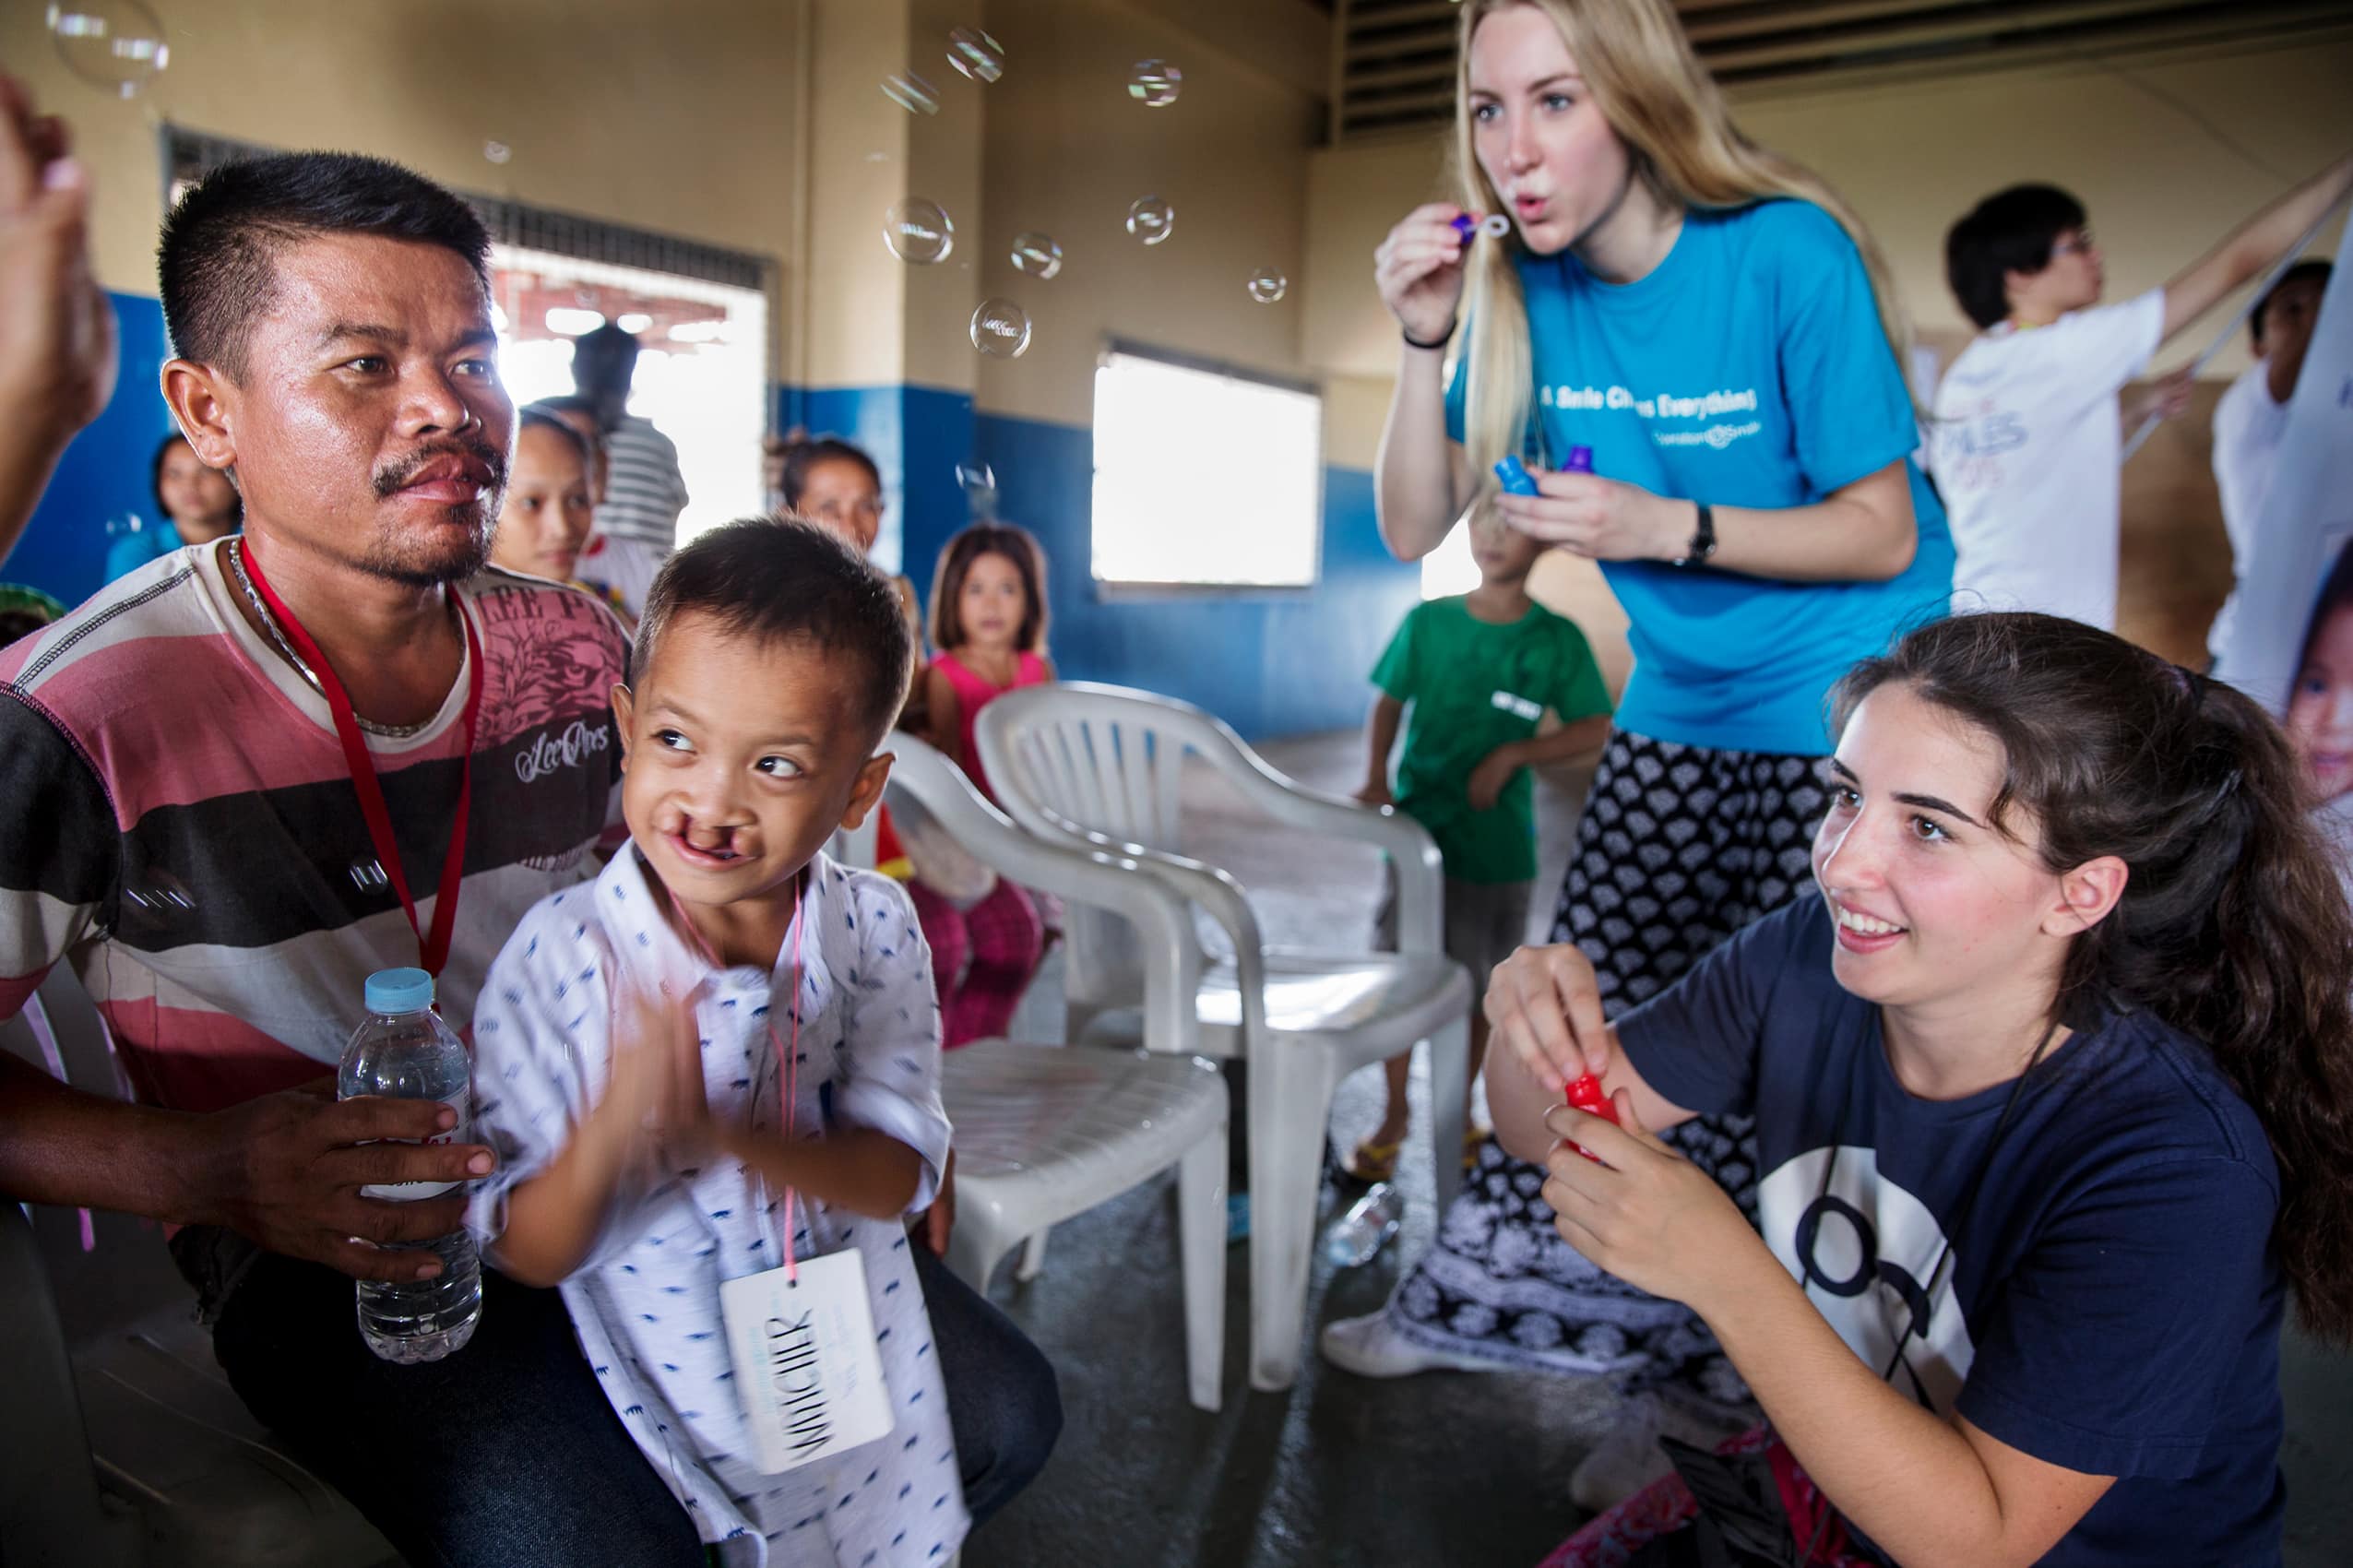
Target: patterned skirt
(1678, 848)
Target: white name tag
(808, 1371)
(1519, 705)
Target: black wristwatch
(1702, 537)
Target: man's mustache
(396, 477)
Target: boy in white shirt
(722, 1056)
(2026, 431)
(2253, 416)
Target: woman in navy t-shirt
(2053, 1089)
(1703, 316)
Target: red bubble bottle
(1584, 1093)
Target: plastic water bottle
(1357, 1236)
(405, 1052)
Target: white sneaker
(1372, 1346)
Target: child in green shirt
(1497, 684)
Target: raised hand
(1418, 270)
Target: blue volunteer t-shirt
(2114, 1303)
(1748, 369)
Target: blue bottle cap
(1580, 461)
(1514, 477)
(398, 990)
(1464, 224)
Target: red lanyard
(787, 1058)
(433, 949)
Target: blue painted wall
(105, 472)
(1269, 662)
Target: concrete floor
(1434, 1471)
(1429, 1472)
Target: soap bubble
(367, 876)
(116, 45)
(911, 93)
(1151, 219)
(1266, 285)
(980, 485)
(1155, 83)
(1036, 254)
(128, 523)
(976, 54)
(497, 152)
(1001, 329)
(918, 231)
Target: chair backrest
(1105, 758)
(1101, 758)
(1094, 884)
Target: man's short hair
(2315, 271)
(604, 359)
(2009, 231)
(216, 262)
(783, 579)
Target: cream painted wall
(608, 106)
(2159, 186)
(1067, 151)
(858, 141)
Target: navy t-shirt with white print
(2114, 1306)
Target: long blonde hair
(1670, 112)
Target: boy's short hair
(783, 579)
(2009, 231)
(2311, 270)
(217, 259)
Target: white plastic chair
(189, 1475)
(1101, 767)
(1047, 1132)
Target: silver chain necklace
(235, 549)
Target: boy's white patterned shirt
(646, 1302)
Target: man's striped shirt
(181, 825)
(643, 491)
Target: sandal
(1473, 1135)
(1370, 1162)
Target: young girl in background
(988, 624)
(2319, 705)
(548, 505)
(197, 504)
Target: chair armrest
(1215, 890)
(1081, 874)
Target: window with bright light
(1451, 569)
(701, 378)
(1204, 476)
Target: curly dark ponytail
(2233, 926)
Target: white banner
(2291, 644)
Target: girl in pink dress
(988, 624)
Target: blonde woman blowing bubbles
(1703, 316)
